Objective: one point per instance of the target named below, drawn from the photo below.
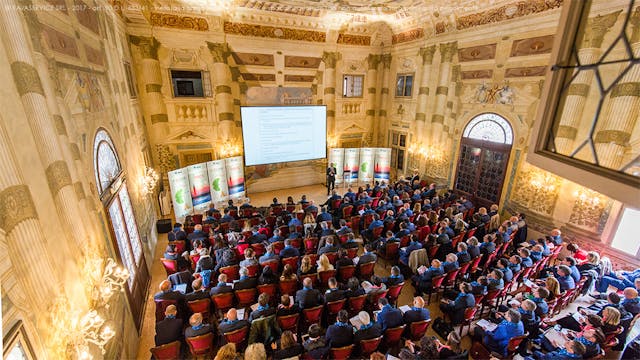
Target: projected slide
(274, 134)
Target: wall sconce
(543, 181)
(332, 141)
(149, 180)
(587, 197)
(229, 149)
(113, 280)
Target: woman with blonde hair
(306, 266)
(255, 351)
(610, 320)
(324, 264)
(553, 286)
(417, 208)
(227, 352)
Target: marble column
(620, 115)
(447, 51)
(235, 91)
(221, 76)
(423, 92)
(38, 119)
(383, 120)
(578, 90)
(452, 100)
(330, 60)
(373, 61)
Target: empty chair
(170, 351)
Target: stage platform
(317, 193)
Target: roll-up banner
(199, 185)
(351, 164)
(235, 177)
(365, 173)
(336, 158)
(218, 180)
(382, 165)
(180, 193)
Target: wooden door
(481, 171)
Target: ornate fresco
(474, 53)
(525, 71)
(274, 32)
(253, 59)
(179, 22)
(536, 190)
(532, 46)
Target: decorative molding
(442, 90)
(253, 59)
(75, 151)
(447, 50)
(58, 122)
(225, 116)
(26, 78)
(578, 90)
(476, 74)
(95, 56)
(153, 88)
(179, 22)
(148, 46)
(77, 186)
(16, 205)
(349, 39)
(437, 119)
(423, 90)
(253, 77)
(475, 53)
(566, 132)
(532, 46)
(280, 8)
(506, 12)
(386, 61)
(299, 78)
(58, 176)
(330, 59)
(536, 190)
(273, 32)
(596, 28)
(159, 118)
(306, 62)
(219, 52)
(626, 89)
(223, 89)
(373, 60)
(612, 136)
(409, 35)
(525, 71)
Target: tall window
(404, 85)
(352, 85)
(398, 149)
(626, 237)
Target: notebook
(181, 288)
(529, 283)
(404, 308)
(554, 335)
(486, 325)
(241, 314)
(355, 321)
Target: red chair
(201, 345)
(335, 204)
(246, 297)
(202, 306)
(433, 251)
(346, 272)
(436, 282)
(423, 232)
(312, 276)
(394, 292)
(311, 245)
(488, 299)
(232, 272)
(293, 261)
(254, 270)
(277, 246)
(377, 231)
(356, 303)
(393, 336)
(391, 250)
(259, 249)
(450, 278)
(161, 306)
(325, 276)
(471, 232)
(269, 289)
(354, 224)
(333, 257)
(276, 210)
(284, 231)
(288, 322)
(222, 302)
(456, 239)
(346, 211)
(368, 219)
(194, 261)
(469, 316)
(333, 308)
(404, 241)
(377, 295)
(368, 347)
(170, 351)
(352, 252)
(462, 271)
(180, 245)
(170, 266)
(418, 329)
(291, 208)
(237, 337)
(366, 269)
(288, 287)
(341, 353)
(296, 243)
(474, 264)
(273, 264)
(312, 315)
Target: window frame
(202, 84)
(350, 79)
(615, 228)
(404, 84)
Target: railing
(352, 107)
(185, 110)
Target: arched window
(107, 166)
(489, 127)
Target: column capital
(386, 61)
(447, 50)
(219, 51)
(330, 59)
(373, 60)
(148, 46)
(597, 27)
(427, 54)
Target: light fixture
(543, 181)
(587, 197)
(113, 280)
(149, 180)
(229, 149)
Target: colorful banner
(199, 185)
(365, 173)
(382, 164)
(351, 164)
(336, 157)
(235, 177)
(218, 180)
(180, 193)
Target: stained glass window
(489, 127)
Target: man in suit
(198, 292)
(263, 309)
(367, 330)
(368, 255)
(245, 281)
(197, 328)
(289, 250)
(177, 233)
(270, 255)
(388, 317)
(324, 216)
(329, 246)
(341, 332)
(198, 234)
(256, 237)
(308, 297)
(455, 308)
(333, 293)
(170, 328)
(417, 312)
(166, 293)
(331, 177)
(222, 287)
(231, 322)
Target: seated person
(267, 276)
(343, 259)
(503, 266)
(536, 253)
(525, 258)
(351, 242)
(341, 332)
(166, 293)
(619, 280)
(197, 328)
(286, 307)
(289, 250)
(591, 339)
(406, 252)
(472, 247)
(228, 258)
(498, 339)
(571, 350)
(417, 313)
(324, 264)
(333, 293)
(494, 280)
(631, 302)
(316, 346)
(451, 263)
(462, 254)
(306, 266)
(388, 317)
(422, 280)
(198, 293)
(231, 322)
(368, 330)
(245, 281)
(451, 349)
(329, 246)
(288, 274)
(455, 308)
(263, 309)
(395, 278)
(171, 254)
(515, 263)
(177, 233)
(168, 329)
(375, 285)
(353, 288)
(308, 297)
(288, 347)
(222, 286)
(565, 279)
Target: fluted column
(423, 91)
(221, 76)
(38, 119)
(449, 119)
(576, 94)
(437, 119)
(330, 60)
(235, 91)
(383, 121)
(372, 77)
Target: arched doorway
(484, 155)
(112, 187)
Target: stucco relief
(536, 190)
(590, 210)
